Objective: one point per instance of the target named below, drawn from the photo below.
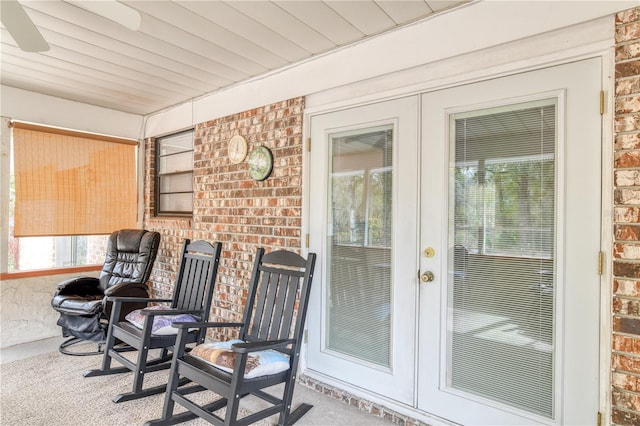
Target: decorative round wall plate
(237, 149)
(260, 163)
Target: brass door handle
(427, 277)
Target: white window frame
(159, 210)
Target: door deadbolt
(427, 277)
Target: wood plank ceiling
(186, 49)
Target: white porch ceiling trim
(463, 30)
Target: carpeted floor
(50, 390)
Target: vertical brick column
(149, 178)
(626, 264)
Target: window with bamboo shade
(72, 183)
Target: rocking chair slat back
(273, 319)
(193, 293)
(276, 297)
(192, 288)
(289, 307)
(278, 309)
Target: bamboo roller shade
(68, 183)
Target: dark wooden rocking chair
(280, 282)
(192, 296)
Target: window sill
(173, 216)
(46, 272)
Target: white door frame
(580, 79)
(396, 379)
(535, 57)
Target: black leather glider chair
(81, 301)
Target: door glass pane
(502, 275)
(359, 246)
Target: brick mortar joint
(622, 296)
(627, 150)
(625, 241)
(621, 372)
(628, 392)
(626, 278)
(626, 373)
(626, 132)
(623, 40)
(624, 335)
(624, 409)
(628, 114)
(622, 43)
(632, 97)
(620, 25)
(627, 316)
(629, 60)
(622, 80)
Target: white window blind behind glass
(501, 292)
(175, 173)
(359, 249)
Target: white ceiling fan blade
(112, 10)
(21, 27)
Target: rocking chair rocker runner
(270, 329)
(192, 298)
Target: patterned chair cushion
(161, 323)
(261, 363)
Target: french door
(363, 217)
(510, 206)
(459, 233)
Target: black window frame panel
(158, 210)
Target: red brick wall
(243, 214)
(96, 248)
(626, 264)
(229, 206)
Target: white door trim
(398, 377)
(583, 81)
(606, 238)
(577, 42)
(537, 57)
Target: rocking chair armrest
(153, 313)
(78, 284)
(248, 347)
(206, 324)
(117, 299)
(127, 289)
